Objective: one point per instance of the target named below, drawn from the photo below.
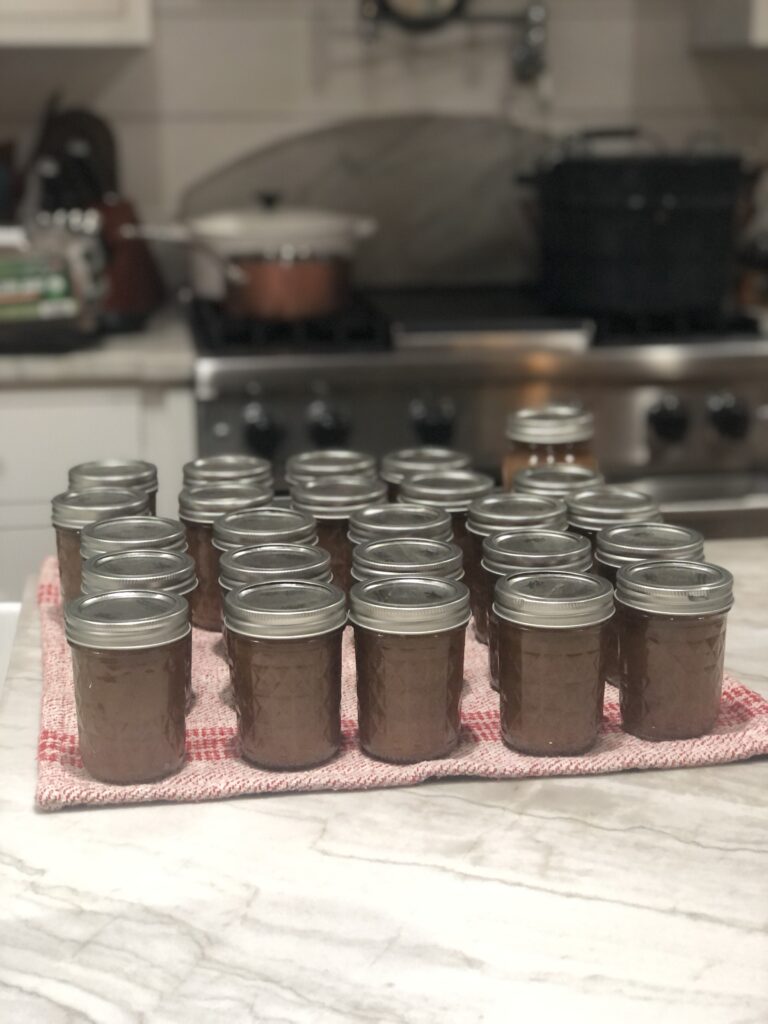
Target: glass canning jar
(557, 433)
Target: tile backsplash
(224, 77)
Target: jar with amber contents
(407, 556)
(131, 658)
(593, 509)
(331, 501)
(409, 651)
(132, 533)
(498, 513)
(284, 642)
(386, 522)
(74, 510)
(557, 433)
(396, 466)
(550, 637)
(246, 470)
(671, 620)
(199, 508)
(135, 474)
(314, 465)
(560, 481)
(628, 544)
(518, 551)
(268, 525)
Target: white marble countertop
(638, 897)
(163, 353)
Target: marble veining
(635, 897)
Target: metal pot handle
(173, 234)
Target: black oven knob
(729, 416)
(433, 421)
(668, 419)
(327, 425)
(261, 432)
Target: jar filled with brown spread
(247, 470)
(315, 465)
(331, 501)
(396, 466)
(173, 572)
(265, 563)
(591, 510)
(131, 657)
(629, 544)
(558, 433)
(131, 473)
(499, 513)
(523, 551)
(385, 522)
(550, 637)
(558, 481)
(409, 650)
(284, 642)
(74, 510)
(199, 508)
(268, 525)
(132, 533)
(452, 491)
(671, 618)
(407, 556)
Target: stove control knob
(327, 425)
(262, 433)
(668, 419)
(433, 421)
(728, 415)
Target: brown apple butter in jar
(557, 433)
(396, 466)
(315, 465)
(268, 525)
(199, 508)
(131, 473)
(132, 533)
(522, 551)
(409, 650)
(131, 656)
(73, 510)
(550, 636)
(498, 513)
(671, 619)
(246, 470)
(266, 563)
(629, 544)
(558, 481)
(591, 510)
(332, 500)
(407, 556)
(385, 522)
(284, 642)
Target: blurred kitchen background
(564, 200)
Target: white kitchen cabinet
(730, 24)
(75, 22)
(44, 431)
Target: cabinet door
(75, 22)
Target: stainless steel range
(689, 410)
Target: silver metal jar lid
(396, 466)
(559, 423)
(337, 497)
(266, 562)
(556, 481)
(328, 462)
(453, 490)
(75, 509)
(553, 600)
(380, 522)
(114, 473)
(407, 556)
(130, 533)
(643, 542)
(536, 550)
(209, 503)
(227, 469)
(596, 507)
(170, 571)
(126, 619)
(409, 605)
(510, 511)
(263, 526)
(288, 609)
(675, 588)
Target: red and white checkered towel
(213, 768)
